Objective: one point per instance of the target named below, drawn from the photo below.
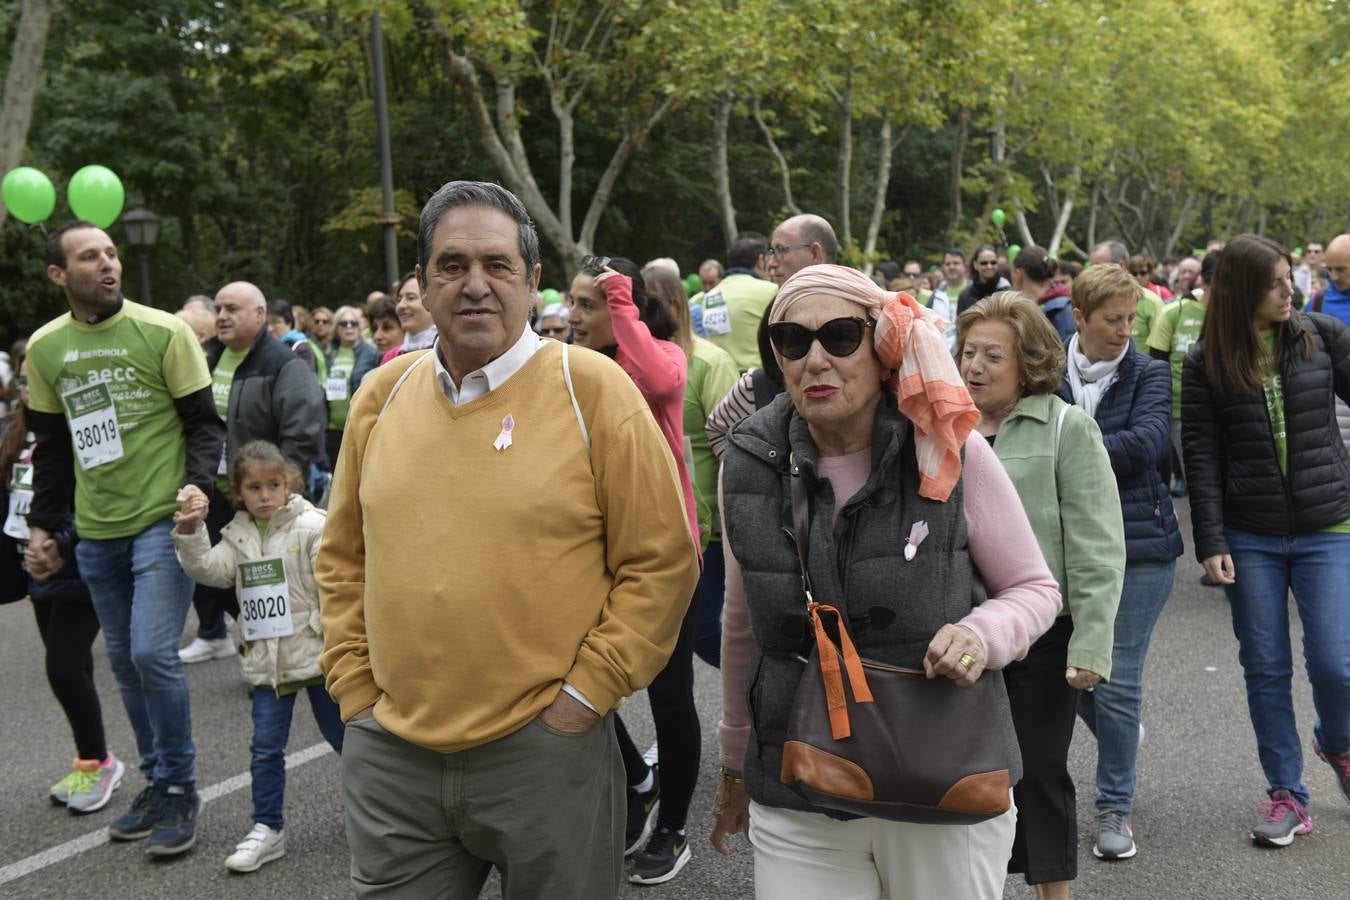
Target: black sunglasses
(594, 265)
(838, 337)
(349, 323)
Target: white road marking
(84, 843)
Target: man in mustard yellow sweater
(506, 558)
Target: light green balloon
(1013, 250)
(550, 295)
(998, 217)
(28, 194)
(692, 284)
(96, 195)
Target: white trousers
(808, 856)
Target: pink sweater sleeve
(1023, 596)
(652, 364)
(738, 643)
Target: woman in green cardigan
(1012, 361)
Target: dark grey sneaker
(1281, 819)
(662, 859)
(641, 815)
(1115, 835)
(1340, 764)
(176, 829)
(141, 819)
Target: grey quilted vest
(893, 606)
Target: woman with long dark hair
(1269, 478)
(612, 312)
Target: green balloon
(998, 217)
(1013, 250)
(95, 194)
(28, 194)
(1298, 251)
(692, 284)
(551, 295)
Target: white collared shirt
(481, 381)
(491, 376)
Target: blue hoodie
(1336, 302)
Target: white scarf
(1090, 380)
(420, 341)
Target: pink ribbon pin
(504, 439)
(916, 536)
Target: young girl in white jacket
(267, 554)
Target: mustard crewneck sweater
(462, 585)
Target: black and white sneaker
(662, 858)
(641, 815)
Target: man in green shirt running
(120, 404)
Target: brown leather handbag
(895, 745)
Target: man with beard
(120, 404)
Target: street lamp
(142, 228)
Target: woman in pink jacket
(612, 313)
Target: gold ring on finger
(967, 660)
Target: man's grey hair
(711, 262)
(205, 302)
(664, 262)
(455, 194)
(1120, 254)
(818, 231)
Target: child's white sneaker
(262, 845)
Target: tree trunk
(879, 195)
(605, 187)
(845, 162)
(1025, 229)
(1060, 227)
(781, 161)
(957, 170)
(21, 83)
(722, 169)
(1182, 217)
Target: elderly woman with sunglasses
(1012, 360)
(906, 502)
(349, 358)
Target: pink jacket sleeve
(1023, 596)
(738, 642)
(658, 368)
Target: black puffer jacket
(1232, 471)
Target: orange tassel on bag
(829, 670)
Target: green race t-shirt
(343, 363)
(1175, 332)
(1149, 308)
(115, 382)
(712, 374)
(222, 378)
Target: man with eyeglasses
(731, 311)
(321, 327)
(799, 242)
(1114, 253)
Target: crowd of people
(974, 466)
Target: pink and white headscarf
(909, 340)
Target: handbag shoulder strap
(576, 407)
(801, 523)
(1059, 426)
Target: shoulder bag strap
(398, 384)
(801, 523)
(576, 407)
(1059, 426)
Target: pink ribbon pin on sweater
(504, 439)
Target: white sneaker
(201, 650)
(262, 845)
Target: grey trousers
(547, 809)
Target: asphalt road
(1198, 783)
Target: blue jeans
(1316, 567)
(142, 597)
(711, 595)
(271, 728)
(1111, 709)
